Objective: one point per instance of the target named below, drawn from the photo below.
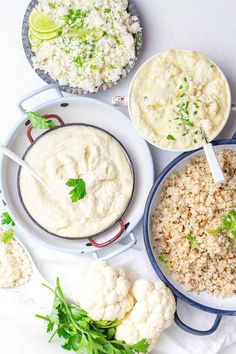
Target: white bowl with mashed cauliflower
(174, 94)
(84, 151)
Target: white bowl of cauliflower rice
(190, 229)
(85, 46)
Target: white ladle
(23, 164)
(212, 160)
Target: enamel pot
(202, 301)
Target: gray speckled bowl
(66, 88)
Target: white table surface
(207, 26)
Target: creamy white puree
(77, 152)
(164, 85)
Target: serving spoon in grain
(212, 160)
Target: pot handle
(120, 101)
(198, 332)
(109, 242)
(46, 116)
(36, 92)
(122, 249)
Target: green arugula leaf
(7, 235)
(7, 220)
(38, 121)
(79, 190)
(191, 240)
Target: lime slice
(42, 23)
(34, 42)
(82, 34)
(97, 34)
(42, 36)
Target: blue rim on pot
(151, 254)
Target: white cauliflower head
(152, 313)
(104, 292)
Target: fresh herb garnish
(79, 62)
(195, 141)
(163, 260)
(38, 121)
(7, 235)
(79, 190)
(228, 223)
(6, 219)
(83, 335)
(107, 10)
(51, 5)
(170, 137)
(75, 18)
(191, 240)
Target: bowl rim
(128, 158)
(147, 236)
(138, 40)
(227, 113)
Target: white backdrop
(207, 26)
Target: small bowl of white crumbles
(84, 46)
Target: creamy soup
(176, 93)
(77, 152)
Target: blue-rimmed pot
(203, 301)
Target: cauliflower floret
(110, 298)
(152, 313)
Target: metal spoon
(23, 164)
(212, 160)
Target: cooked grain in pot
(190, 202)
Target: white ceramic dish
(125, 101)
(83, 110)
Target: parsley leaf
(38, 121)
(7, 235)
(163, 260)
(79, 190)
(191, 240)
(228, 223)
(170, 137)
(51, 5)
(7, 220)
(83, 335)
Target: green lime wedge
(42, 23)
(42, 36)
(34, 42)
(82, 34)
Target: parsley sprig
(228, 224)
(38, 121)
(83, 335)
(79, 189)
(192, 241)
(6, 219)
(7, 234)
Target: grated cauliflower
(88, 63)
(152, 313)
(104, 292)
